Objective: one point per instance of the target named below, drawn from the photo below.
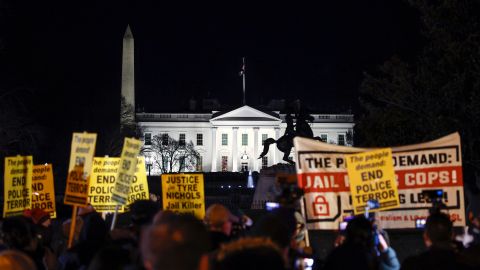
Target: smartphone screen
(269, 206)
(420, 223)
(304, 263)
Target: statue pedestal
(267, 188)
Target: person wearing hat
(219, 222)
(39, 217)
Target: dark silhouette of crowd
(154, 239)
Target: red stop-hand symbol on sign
(320, 206)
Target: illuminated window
(224, 139)
(264, 138)
(244, 139)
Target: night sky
(70, 53)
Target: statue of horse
(285, 143)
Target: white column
(214, 149)
(234, 150)
(255, 149)
(276, 153)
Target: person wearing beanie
(38, 216)
(219, 222)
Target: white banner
(323, 176)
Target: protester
(250, 253)
(142, 213)
(38, 217)
(15, 260)
(440, 252)
(359, 248)
(175, 242)
(470, 256)
(475, 227)
(166, 240)
(93, 236)
(42, 226)
(18, 233)
(112, 258)
(279, 226)
(219, 222)
(63, 238)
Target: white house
(233, 140)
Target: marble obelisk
(127, 110)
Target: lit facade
(233, 140)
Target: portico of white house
(233, 140)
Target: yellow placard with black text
(139, 186)
(17, 185)
(126, 170)
(81, 157)
(372, 178)
(102, 183)
(43, 196)
(184, 193)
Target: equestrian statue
(301, 128)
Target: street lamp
(148, 162)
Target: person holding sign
(43, 196)
(17, 185)
(440, 252)
(358, 251)
(184, 193)
(126, 174)
(219, 222)
(76, 190)
(102, 183)
(372, 178)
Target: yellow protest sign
(102, 183)
(184, 193)
(17, 185)
(81, 155)
(372, 177)
(126, 170)
(43, 196)
(139, 186)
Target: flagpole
(243, 75)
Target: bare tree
(170, 155)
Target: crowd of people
(157, 239)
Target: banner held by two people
(322, 174)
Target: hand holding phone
(382, 243)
